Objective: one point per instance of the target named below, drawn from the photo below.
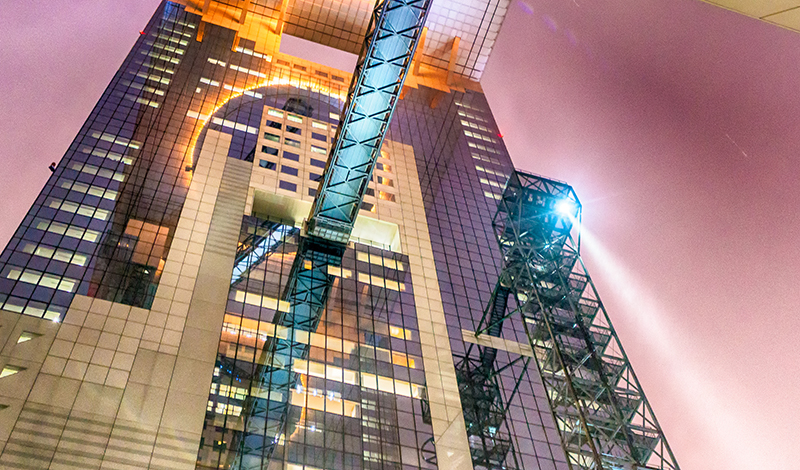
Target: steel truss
(380, 72)
(266, 413)
(385, 59)
(603, 417)
(257, 247)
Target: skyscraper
(249, 260)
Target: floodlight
(565, 207)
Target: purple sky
(676, 122)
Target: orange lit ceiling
(471, 25)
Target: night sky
(678, 124)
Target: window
(319, 150)
(287, 186)
(266, 164)
(292, 142)
(92, 190)
(272, 137)
(384, 181)
(370, 192)
(68, 230)
(274, 125)
(317, 163)
(288, 170)
(269, 150)
(291, 156)
(314, 177)
(293, 118)
(275, 113)
(386, 196)
(30, 276)
(57, 254)
(312, 192)
(321, 137)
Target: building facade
(144, 298)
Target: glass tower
(163, 306)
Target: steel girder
(380, 72)
(477, 374)
(266, 411)
(256, 248)
(604, 419)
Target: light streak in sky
(718, 415)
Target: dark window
(317, 163)
(274, 124)
(269, 150)
(312, 192)
(321, 137)
(287, 185)
(266, 164)
(291, 156)
(314, 177)
(370, 192)
(288, 170)
(367, 206)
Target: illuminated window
(68, 230)
(397, 332)
(94, 170)
(57, 254)
(31, 276)
(80, 209)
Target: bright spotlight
(565, 207)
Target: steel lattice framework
(380, 72)
(604, 419)
(385, 59)
(266, 414)
(256, 248)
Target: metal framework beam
(256, 248)
(604, 419)
(384, 62)
(381, 70)
(266, 415)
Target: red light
(141, 32)
(499, 134)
